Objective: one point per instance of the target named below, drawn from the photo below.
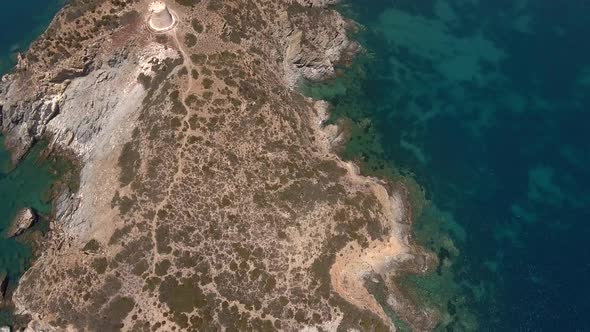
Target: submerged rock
(24, 219)
(3, 285)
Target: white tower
(161, 19)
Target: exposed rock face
(26, 126)
(209, 195)
(24, 219)
(311, 52)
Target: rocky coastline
(204, 172)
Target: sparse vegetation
(91, 246)
(197, 26)
(207, 83)
(198, 58)
(194, 74)
(129, 161)
(145, 80)
(188, 3)
(190, 40)
(224, 186)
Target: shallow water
(486, 104)
(29, 183)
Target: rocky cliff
(209, 196)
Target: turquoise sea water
(486, 104)
(29, 183)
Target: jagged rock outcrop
(25, 218)
(313, 46)
(24, 120)
(30, 95)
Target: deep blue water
(486, 104)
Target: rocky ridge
(210, 196)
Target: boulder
(5, 329)
(24, 219)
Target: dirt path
(189, 87)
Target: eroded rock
(24, 219)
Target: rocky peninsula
(210, 194)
